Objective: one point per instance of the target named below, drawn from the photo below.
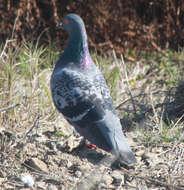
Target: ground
(37, 144)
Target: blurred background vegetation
(139, 47)
(120, 25)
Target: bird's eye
(66, 21)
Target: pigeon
(79, 91)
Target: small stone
(117, 182)
(2, 129)
(65, 163)
(74, 167)
(139, 159)
(8, 186)
(51, 130)
(118, 178)
(37, 164)
(52, 181)
(157, 149)
(116, 175)
(78, 174)
(2, 179)
(60, 147)
(41, 185)
(2, 174)
(52, 152)
(52, 187)
(70, 144)
(140, 153)
(107, 179)
(41, 139)
(49, 145)
(151, 156)
(31, 149)
(27, 179)
(71, 179)
(69, 164)
(37, 134)
(85, 168)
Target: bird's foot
(92, 146)
(84, 144)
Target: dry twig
(9, 107)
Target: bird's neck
(77, 46)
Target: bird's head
(77, 46)
(72, 23)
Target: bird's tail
(122, 150)
(113, 133)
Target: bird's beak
(60, 26)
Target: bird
(79, 91)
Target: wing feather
(77, 97)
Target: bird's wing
(102, 87)
(77, 97)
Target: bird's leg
(89, 145)
(84, 144)
(92, 146)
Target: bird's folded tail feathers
(113, 133)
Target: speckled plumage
(80, 93)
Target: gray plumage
(80, 93)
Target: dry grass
(149, 103)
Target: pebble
(107, 179)
(52, 187)
(78, 174)
(60, 147)
(49, 145)
(27, 179)
(37, 164)
(41, 185)
(140, 153)
(65, 163)
(31, 149)
(117, 178)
